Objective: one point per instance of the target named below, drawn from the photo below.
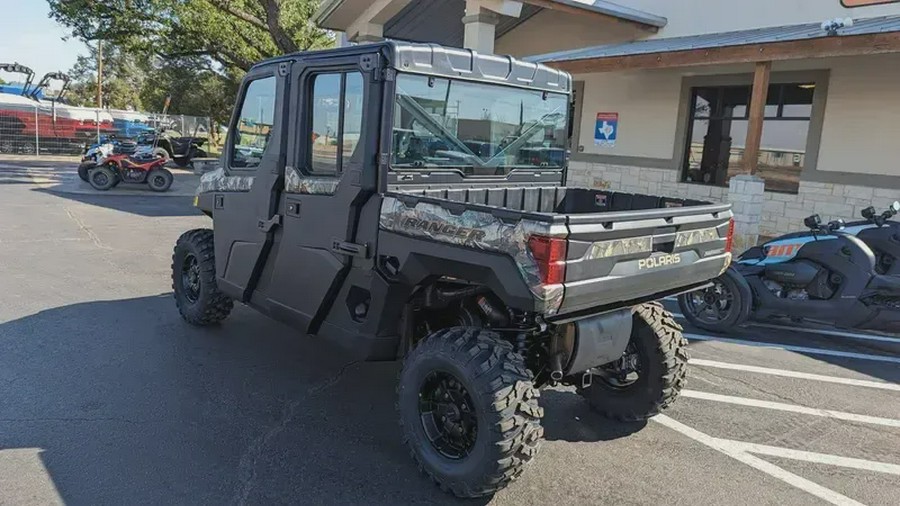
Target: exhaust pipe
(556, 366)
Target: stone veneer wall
(782, 213)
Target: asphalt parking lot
(106, 397)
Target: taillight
(729, 240)
(550, 255)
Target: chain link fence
(28, 127)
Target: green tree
(123, 78)
(229, 34)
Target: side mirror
(813, 221)
(895, 207)
(868, 213)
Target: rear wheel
(160, 180)
(650, 374)
(720, 307)
(468, 410)
(194, 279)
(102, 178)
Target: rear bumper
(617, 291)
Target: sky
(28, 36)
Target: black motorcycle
(826, 275)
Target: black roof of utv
(452, 62)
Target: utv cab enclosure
(408, 201)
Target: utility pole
(99, 74)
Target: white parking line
(798, 349)
(791, 408)
(820, 458)
(794, 374)
(827, 332)
(735, 451)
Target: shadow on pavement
(129, 405)
(148, 205)
(568, 417)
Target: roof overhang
(340, 14)
(865, 37)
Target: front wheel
(725, 304)
(194, 280)
(650, 374)
(468, 410)
(102, 178)
(160, 179)
(84, 169)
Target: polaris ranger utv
(408, 202)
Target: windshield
(481, 129)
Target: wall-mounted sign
(863, 3)
(606, 129)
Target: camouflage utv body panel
(479, 230)
(295, 182)
(219, 181)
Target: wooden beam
(757, 114)
(578, 11)
(851, 45)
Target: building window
(718, 129)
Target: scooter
(826, 275)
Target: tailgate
(624, 256)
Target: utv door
(245, 213)
(326, 185)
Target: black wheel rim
(190, 278)
(622, 373)
(101, 178)
(159, 181)
(448, 415)
(711, 305)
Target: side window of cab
(336, 123)
(253, 129)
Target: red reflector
(729, 241)
(550, 255)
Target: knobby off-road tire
(84, 169)
(505, 402)
(661, 349)
(102, 178)
(194, 280)
(160, 180)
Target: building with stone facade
(784, 108)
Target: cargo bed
(619, 247)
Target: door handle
(350, 249)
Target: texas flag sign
(606, 129)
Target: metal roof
(805, 31)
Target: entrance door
(244, 200)
(323, 192)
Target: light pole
(99, 74)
